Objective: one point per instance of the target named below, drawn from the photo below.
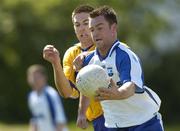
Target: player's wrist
(56, 63)
(81, 112)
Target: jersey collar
(115, 44)
(86, 49)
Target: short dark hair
(106, 11)
(82, 8)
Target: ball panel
(90, 78)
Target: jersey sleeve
(69, 71)
(129, 68)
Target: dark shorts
(154, 124)
(98, 124)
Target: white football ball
(90, 78)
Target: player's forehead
(35, 74)
(81, 17)
(97, 21)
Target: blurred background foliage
(150, 28)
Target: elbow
(65, 96)
(128, 91)
(64, 92)
(131, 87)
(126, 94)
(131, 91)
(62, 95)
(131, 94)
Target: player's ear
(114, 28)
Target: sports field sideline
(72, 127)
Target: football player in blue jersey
(129, 104)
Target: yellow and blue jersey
(94, 110)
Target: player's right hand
(51, 54)
(78, 61)
(82, 122)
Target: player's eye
(76, 25)
(91, 29)
(86, 23)
(99, 28)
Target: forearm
(83, 104)
(126, 90)
(62, 84)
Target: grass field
(17, 127)
(72, 127)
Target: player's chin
(99, 43)
(84, 39)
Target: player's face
(36, 80)
(81, 22)
(101, 32)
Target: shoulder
(72, 52)
(32, 97)
(31, 94)
(52, 96)
(75, 47)
(90, 55)
(51, 91)
(124, 52)
(88, 58)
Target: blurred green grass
(24, 127)
(72, 127)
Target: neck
(103, 51)
(40, 89)
(85, 45)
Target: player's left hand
(82, 121)
(111, 93)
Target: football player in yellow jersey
(65, 77)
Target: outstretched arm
(51, 54)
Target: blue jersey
(123, 65)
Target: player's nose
(82, 29)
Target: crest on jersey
(110, 71)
